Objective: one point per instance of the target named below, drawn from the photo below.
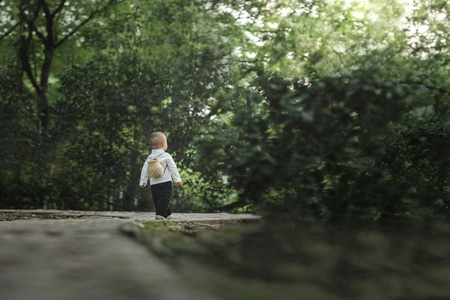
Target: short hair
(157, 139)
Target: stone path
(83, 255)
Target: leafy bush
(417, 155)
(320, 151)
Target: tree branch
(59, 8)
(9, 31)
(428, 86)
(90, 17)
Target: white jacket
(170, 168)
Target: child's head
(158, 140)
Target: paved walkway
(84, 256)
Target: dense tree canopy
(318, 109)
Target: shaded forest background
(306, 109)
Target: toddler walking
(161, 187)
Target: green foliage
(113, 83)
(417, 155)
(101, 118)
(200, 194)
(333, 152)
(21, 165)
(303, 108)
(315, 151)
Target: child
(161, 187)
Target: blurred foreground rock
(65, 255)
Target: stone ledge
(41, 214)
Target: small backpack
(155, 169)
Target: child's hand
(143, 185)
(178, 183)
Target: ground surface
(65, 255)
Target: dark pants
(161, 194)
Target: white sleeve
(173, 169)
(144, 174)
